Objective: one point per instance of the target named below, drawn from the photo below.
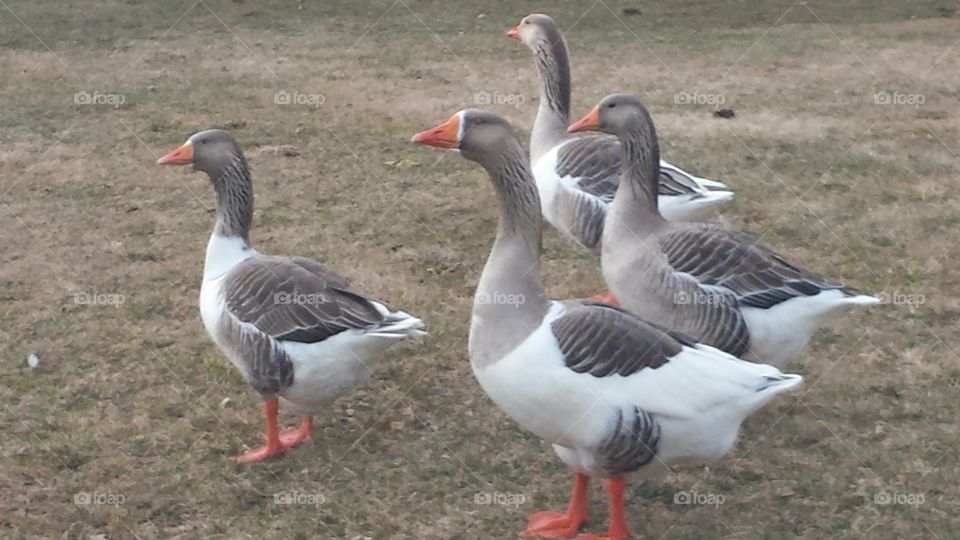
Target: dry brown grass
(130, 400)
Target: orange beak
(181, 156)
(590, 122)
(442, 136)
(514, 32)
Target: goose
(716, 285)
(296, 331)
(616, 396)
(578, 176)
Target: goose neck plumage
(234, 191)
(510, 301)
(636, 197)
(553, 114)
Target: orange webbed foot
(261, 453)
(277, 443)
(550, 524)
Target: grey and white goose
(718, 286)
(293, 327)
(617, 396)
(578, 176)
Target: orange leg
(277, 443)
(607, 298)
(618, 516)
(562, 525)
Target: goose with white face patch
(296, 331)
(721, 287)
(578, 176)
(617, 397)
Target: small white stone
(224, 402)
(482, 16)
(33, 360)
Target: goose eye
(611, 105)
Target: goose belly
(332, 368)
(704, 438)
(779, 334)
(707, 437)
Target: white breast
(222, 255)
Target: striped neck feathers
(640, 169)
(234, 191)
(553, 114)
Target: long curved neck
(234, 200)
(510, 301)
(514, 261)
(636, 198)
(553, 114)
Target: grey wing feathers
(288, 300)
(674, 182)
(602, 340)
(584, 214)
(758, 276)
(332, 278)
(595, 162)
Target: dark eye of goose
(611, 105)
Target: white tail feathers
(779, 383)
(713, 197)
(861, 300)
(400, 324)
(710, 184)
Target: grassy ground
(124, 428)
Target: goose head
(535, 29)
(616, 114)
(210, 151)
(480, 136)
